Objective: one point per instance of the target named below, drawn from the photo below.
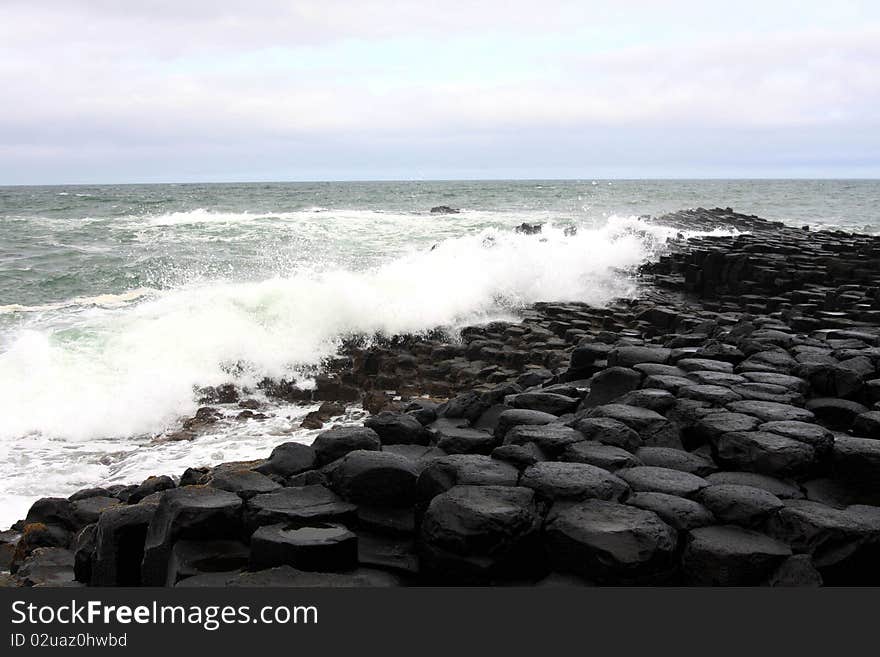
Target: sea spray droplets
(103, 379)
(132, 369)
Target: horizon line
(451, 180)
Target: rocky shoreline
(721, 429)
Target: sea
(117, 302)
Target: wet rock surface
(719, 429)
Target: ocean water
(117, 301)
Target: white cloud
(159, 78)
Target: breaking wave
(129, 368)
(84, 380)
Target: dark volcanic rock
(629, 356)
(324, 547)
(464, 469)
(653, 428)
(194, 476)
(489, 419)
(520, 456)
(87, 511)
(480, 533)
(420, 455)
(149, 487)
(662, 480)
(289, 459)
(85, 493)
(819, 438)
(610, 384)
(828, 535)
(36, 535)
(297, 506)
(56, 511)
(612, 542)
(517, 416)
(609, 432)
(857, 460)
(798, 570)
(374, 478)
(607, 457)
(194, 558)
(656, 400)
(468, 405)
(396, 553)
(767, 453)
(585, 356)
(397, 428)
(528, 229)
(552, 439)
(770, 411)
(658, 369)
(739, 505)
(119, 545)
(783, 380)
(193, 512)
(677, 512)
(713, 394)
(730, 556)
(49, 566)
(545, 402)
(454, 439)
(837, 413)
(287, 576)
(83, 548)
(244, 483)
(422, 410)
(713, 425)
(573, 481)
(675, 459)
(779, 488)
(775, 361)
(867, 425)
(704, 364)
(663, 382)
(713, 378)
(336, 443)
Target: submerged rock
(444, 209)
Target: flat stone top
(325, 534)
(735, 541)
(295, 498)
(203, 497)
(778, 487)
(633, 535)
(662, 480)
(771, 411)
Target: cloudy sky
(198, 90)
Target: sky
(102, 91)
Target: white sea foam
(201, 216)
(100, 300)
(102, 381)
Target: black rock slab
(726, 555)
(479, 534)
(299, 505)
(322, 547)
(191, 512)
(610, 542)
